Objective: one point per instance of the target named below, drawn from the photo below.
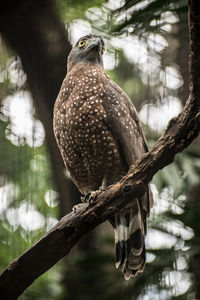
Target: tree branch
(64, 235)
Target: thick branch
(59, 240)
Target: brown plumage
(99, 135)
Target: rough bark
(183, 51)
(59, 240)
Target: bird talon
(77, 207)
(82, 198)
(102, 188)
(88, 198)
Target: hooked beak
(95, 44)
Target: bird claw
(102, 188)
(77, 207)
(90, 196)
(87, 198)
(82, 199)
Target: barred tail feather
(129, 241)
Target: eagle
(100, 136)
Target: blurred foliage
(75, 9)
(89, 273)
(139, 14)
(25, 182)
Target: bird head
(88, 49)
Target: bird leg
(104, 184)
(77, 207)
(84, 199)
(90, 196)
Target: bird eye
(102, 50)
(81, 43)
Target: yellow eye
(81, 43)
(102, 50)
